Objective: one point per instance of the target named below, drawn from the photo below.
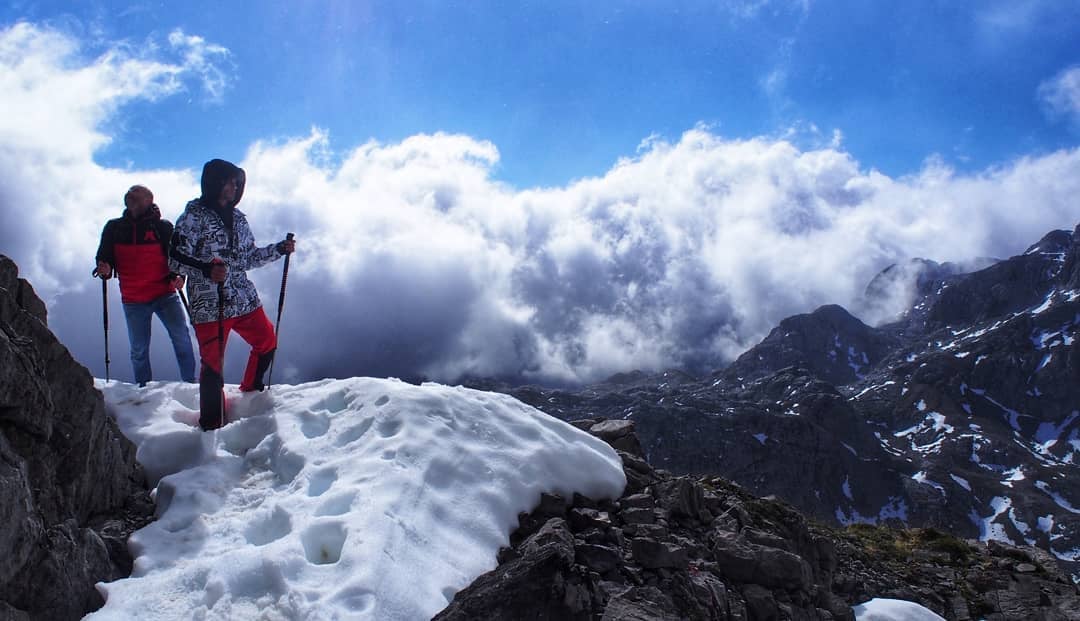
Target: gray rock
(760, 603)
(540, 584)
(65, 469)
(598, 558)
(583, 519)
(637, 501)
(638, 516)
(552, 505)
(612, 429)
(619, 433)
(744, 561)
(648, 531)
(682, 497)
(641, 604)
(711, 594)
(653, 554)
(8, 613)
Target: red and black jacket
(137, 250)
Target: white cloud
(413, 261)
(56, 103)
(204, 59)
(1061, 95)
(684, 255)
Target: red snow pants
(256, 329)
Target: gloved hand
(104, 270)
(286, 246)
(218, 270)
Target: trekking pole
(187, 307)
(105, 316)
(280, 306)
(183, 299)
(221, 346)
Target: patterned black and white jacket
(202, 235)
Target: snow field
(358, 498)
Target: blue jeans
(171, 313)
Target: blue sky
(550, 192)
(564, 89)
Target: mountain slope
(964, 414)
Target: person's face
(228, 192)
(139, 201)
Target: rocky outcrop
(70, 488)
(701, 548)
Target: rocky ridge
(71, 488)
(702, 548)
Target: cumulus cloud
(1060, 95)
(414, 261)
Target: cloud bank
(414, 261)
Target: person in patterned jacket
(136, 247)
(212, 244)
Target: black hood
(214, 175)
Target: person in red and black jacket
(136, 247)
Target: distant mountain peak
(831, 342)
(1054, 242)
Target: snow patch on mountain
(1013, 474)
(1048, 433)
(895, 509)
(1057, 498)
(989, 529)
(962, 482)
(358, 498)
(921, 477)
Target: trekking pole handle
(284, 278)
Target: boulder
(541, 583)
